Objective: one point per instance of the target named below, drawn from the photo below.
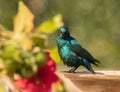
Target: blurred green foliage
(95, 23)
(18, 54)
(23, 50)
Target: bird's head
(64, 31)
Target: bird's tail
(96, 62)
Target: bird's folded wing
(80, 51)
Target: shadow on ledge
(82, 72)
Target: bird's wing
(80, 51)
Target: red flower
(42, 82)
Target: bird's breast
(65, 50)
(68, 57)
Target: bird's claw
(71, 71)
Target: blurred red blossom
(42, 81)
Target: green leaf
(51, 25)
(26, 72)
(39, 40)
(11, 66)
(10, 52)
(54, 55)
(40, 58)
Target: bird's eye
(67, 32)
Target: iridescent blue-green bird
(72, 53)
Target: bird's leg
(91, 70)
(88, 66)
(70, 71)
(73, 69)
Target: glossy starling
(72, 53)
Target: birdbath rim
(99, 75)
(102, 81)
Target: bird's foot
(70, 71)
(93, 72)
(73, 69)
